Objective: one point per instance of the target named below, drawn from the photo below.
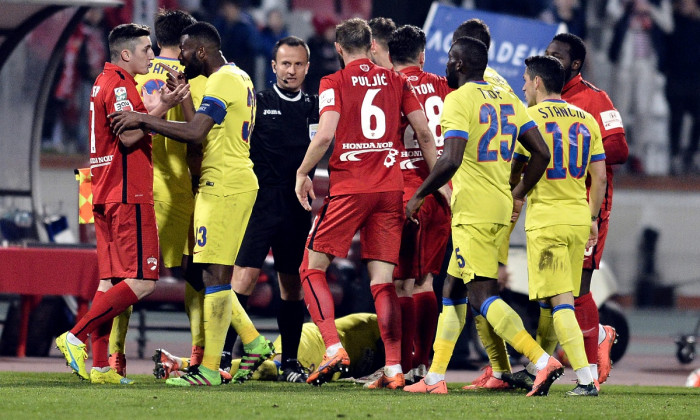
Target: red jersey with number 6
(120, 174)
(431, 90)
(370, 100)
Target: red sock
(408, 332)
(100, 340)
(426, 323)
(104, 309)
(588, 319)
(386, 303)
(319, 302)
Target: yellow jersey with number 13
(490, 119)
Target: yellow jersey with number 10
(574, 141)
(490, 119)
(229, 99)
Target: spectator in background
(240, 39)
(683, 84)
(570, 12)
(636, 51)
(275, 30)
(324, 59)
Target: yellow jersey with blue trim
(229, 99)
(171, 176)
(489, 119)
(574, 141)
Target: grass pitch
(62, 395)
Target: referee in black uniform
(286, 119)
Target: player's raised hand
(593, 237)
(150, 100)
(412, 208)
(170, 98)
(125, 120)
(304, 188)
(174, 77)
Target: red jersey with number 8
(120, 174)
(370, 100)
(431, 90)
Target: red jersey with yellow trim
(120, 174)
(431, 90)
(596, 102)
(370, 100)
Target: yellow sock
(546, 336)
(242, 323)
(194, 301)
(493, 344)
(450, 324)
(570, 336)
(184, 363)
(217, 318)
(507, 324)
(120, 326)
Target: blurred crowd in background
(642, 52)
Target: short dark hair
(354, 35)
(381, 29)
(291, 41)
(125, 36)
(577, 48)
(473, 52)
(474, 28)
(549, 69)
(205, 33)
(405, 44)
(169, 25)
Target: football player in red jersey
(571, 51)
(361, 106)
(423, 244)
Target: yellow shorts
(174, 221)
(555, 259)
(219, 226)
(477, 250)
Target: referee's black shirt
(283, 122)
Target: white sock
(73, 339)
(391, 371)
(542, 362)
(584, 376)
(333, 349)
(102, 369)
(497, 375)
(531, 368)
(594, 371)
(601, 334)
(432, 378)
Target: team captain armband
(611, 119)
(213, 107)
(326, 98)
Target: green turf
(62, 395)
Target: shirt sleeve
(522, 118)
(213, 103)
(616, 149)
(597, 150)
(454, 120)
(520, 153)
(328, 96)
(607, 116)
(409, 100)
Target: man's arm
(317, 148)
(616, 149)
(444, 169)
(539, 160)
(193, 132)
(595, 198)
(426, 141)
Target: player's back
(431, 90)
(573, 138)
(370, 100)
(226, 165)
(489, 119)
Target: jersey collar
(282, 94)
(115, 68)
(358, 62)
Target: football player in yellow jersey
(560, 222)
(227, 190)
(175, 166)
(481, 123)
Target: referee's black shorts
(279, 222)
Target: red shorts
(423, 244)
(591, 259)
(127, 241)
(378, 216)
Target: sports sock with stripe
(386, 303)
(104, 308)
(449, 327)
(120, 326)
(588, 319)
(494, 345)
(319, 302)
(507, 324)
(569, 335)
(241, 322)
(217, 318)
(194, 306)
(546, 336)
